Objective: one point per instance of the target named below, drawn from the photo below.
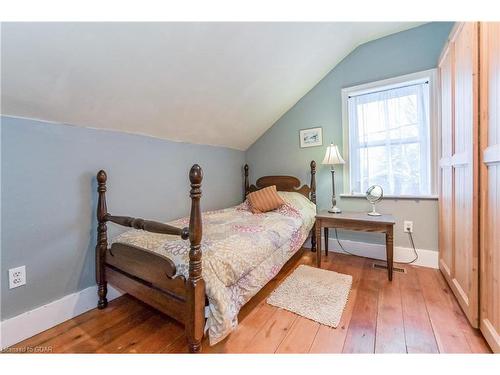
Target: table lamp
(332, 157)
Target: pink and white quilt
(241, 253)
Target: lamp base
(335, 210)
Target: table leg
(326, 240)
(389, 244)
(318, 244)
(313, 238)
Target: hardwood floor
(416, 313)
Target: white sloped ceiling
(211, 83)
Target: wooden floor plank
(431, 316)
(245, 332)
(63, 342)
(474, 338)
(162, 338)
(149, 337)
(89, 341)
(179, 346)
(300, 337)
(47, 337)
(390, 333)
(328, 339)
(270, 336)
(445, 325)
(362, 328)
(419, 336)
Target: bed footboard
(149, 276)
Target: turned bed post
(102, 240)
(247, 183)
(313, 199)
(313, 181)
(195, 317)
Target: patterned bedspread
(241, 253)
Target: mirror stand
(374, 211)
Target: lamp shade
(332, 156)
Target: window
(390, 141)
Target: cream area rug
(313, 293)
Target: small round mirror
(374, 194)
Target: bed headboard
(284, 183)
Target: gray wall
(49, 199)
(277, 151)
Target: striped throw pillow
(264, 200)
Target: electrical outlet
(17, 277)
(408, 226)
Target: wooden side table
(358, 221)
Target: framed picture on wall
(311, 137)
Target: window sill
(396, 197)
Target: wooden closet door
(490, 183)
(446, 75)
(459, 243)
(464, 278)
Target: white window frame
(395, 82)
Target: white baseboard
(426, 258)
(30, 323)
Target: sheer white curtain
(389, 142)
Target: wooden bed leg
(102, 241)
(313, 238)
(195, 319)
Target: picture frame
(311, 137)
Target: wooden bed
(149, 276)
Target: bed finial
(195, 284)
(195, 229)
(102, 210)
(196, 175)
(247, 183)
(102, 240)
(102, 177)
